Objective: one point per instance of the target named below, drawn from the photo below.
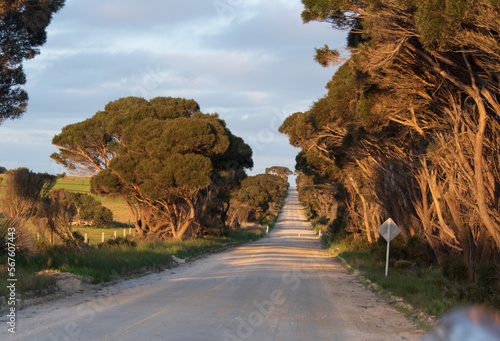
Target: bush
(337, 229)
(417, 251)
(403, 265)
(488, 275)
(360, 244)
(487, 288)
(90, 210)
(78, 238)
(118, 242)
(323, 220)
(456, 270)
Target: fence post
(86, 239)
(102, 237)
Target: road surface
(282, 287)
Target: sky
(250, 61)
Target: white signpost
(389, 230)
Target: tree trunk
(479, 176)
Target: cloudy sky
(251, 61)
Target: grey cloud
(251, 64)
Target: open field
(121, 213)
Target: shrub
(118, 242)
(417, 251)
(323, 220)
(360, 244)
(456, 270)
(78, 238)
(487, 288)
(488, 274)
(403, 265)
(90, 210)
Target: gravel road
(282, 287)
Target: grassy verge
(425, 289)
(94, 235)
(104, 264)
(421, 292)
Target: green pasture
(121, 213)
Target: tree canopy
(24, 190)
(282, 172)
(258, 194)
(170, 162)
(410, 125)
(22, 32)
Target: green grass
(121, 214)
(74, 184)
(106, 264)
(94, 235)
(425, 289)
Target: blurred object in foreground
(475, 323)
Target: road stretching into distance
(282, 287)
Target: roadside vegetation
(409, 129)
(413, 274)
(170, 177)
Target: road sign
(389, 230)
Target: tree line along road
(282, 287)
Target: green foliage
(259, 196)
(403, 265)
(118, 242)
(25, 189)
(22, 28)
(280, 171)
(333, 11)
(439, 20)
(405, 104)
(163, 157)
(89, 209)
(326, 57)
(54, 216)
(364, 109)
(258, 192)
(5, 224)
(455, 269)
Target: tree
(24, 191)
(258, 194)
(22, 32)
(164, 157)
(88, 147)
(280, 171)
(53, 218)
(417, 135)
(89, 210)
